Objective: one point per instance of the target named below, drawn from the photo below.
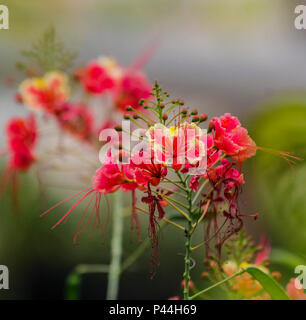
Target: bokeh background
(240, 56)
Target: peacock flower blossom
(99, 76)
(111, 176)
(176, 145)
(132, 86)
(146, 171)
(77, 119)
(45, 93)
(230, 137)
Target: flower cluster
(208, 177)
(66, 99)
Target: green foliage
(268, 283)
(280, 187)
(47, 54)
(286, 258)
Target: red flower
(95, 78)
(76, 119)
(110, 177)
(132, 87)
(146, 171)
(231, 138)
(21, 139)
(23, 130)
(45, 93)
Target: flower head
(99, 76)
(111, 176)
(45, 93)
(230, 137)
(130, 89)
(21, 140)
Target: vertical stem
(188, 234)
(187, 262)
(116, 248)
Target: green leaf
(268, 283)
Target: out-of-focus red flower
(99, 76)
(76, 119)
(21, 140)
(131, 88)
(45, 93)
(230, 137)
(24, 130)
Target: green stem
(187, 261)
(217, 284)
(116, 249)
(188, 234)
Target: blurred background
(240, 56)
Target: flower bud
(118, 127)
(129, 108)
(194, 112)
(165, 116)
(203, 117)
(184, 111)
(127, 117)
(195, 119)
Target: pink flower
(231, 138)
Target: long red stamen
(73, 207)
(61, 202)
(78, 232)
